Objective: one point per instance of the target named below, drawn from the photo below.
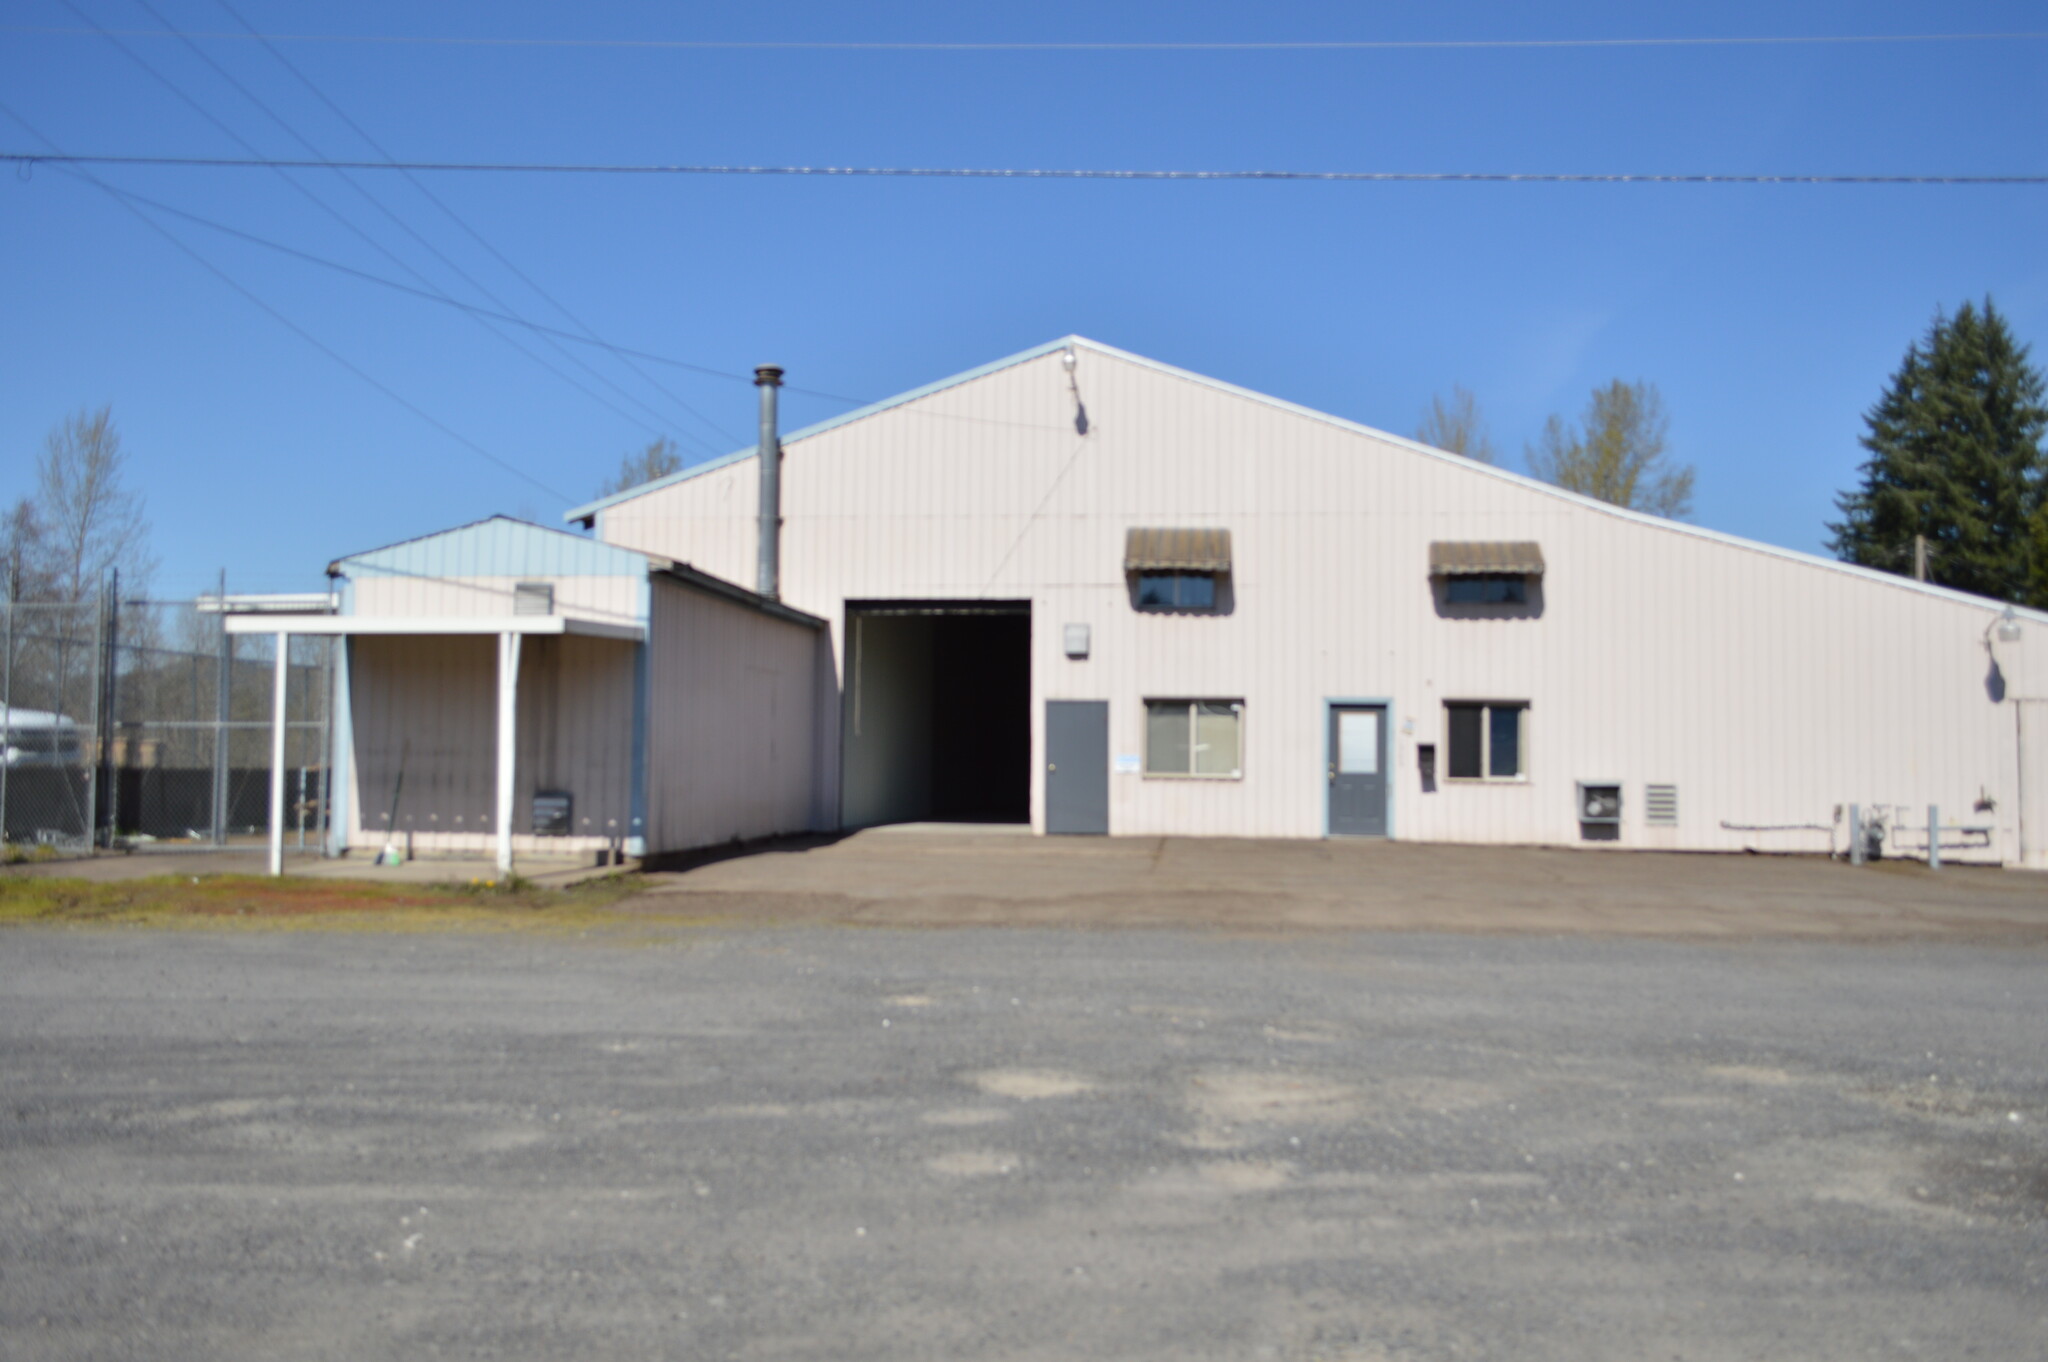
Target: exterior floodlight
(1069, 359)
(2008, 627)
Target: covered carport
(453, 682)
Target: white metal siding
(1769, 689)
(428, 705)
(733, 709)
(606, 600)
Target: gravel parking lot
(825, 1141)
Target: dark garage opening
(937, 712)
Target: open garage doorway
(937, 713)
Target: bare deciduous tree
(1456, 426)
(24, 553)
(91, 521)
(658, 460)
(1619, 454)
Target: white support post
(508, 733)
(1934, 836)
(277, 755)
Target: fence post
(223, 679)
(98, 730)
(1934, 836)
(112, 672)
(1855, 834)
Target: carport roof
(430, 624)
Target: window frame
(1514, 588)
(1487, 709)
(1193, 715)
(1175, 607)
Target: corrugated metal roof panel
(1155, 550)
(1464, 557)
(499, 546)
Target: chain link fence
(138, 722)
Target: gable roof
(586, 514)
(498, 546)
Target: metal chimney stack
(768, 576)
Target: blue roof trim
(586, 512)
(497, 547)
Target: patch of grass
(217, 901)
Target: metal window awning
(430, 624)
(1470, 557)
(1165, 550)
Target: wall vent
(1660, 806)
(533, 598)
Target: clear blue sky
(1769, 316)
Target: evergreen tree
(1955, 455)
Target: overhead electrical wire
(474, 235)
(381, 281)
(301, 331)
(1303, 45)
(343, 220)
(1016, 173)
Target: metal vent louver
(1660, 805)
(533, 598)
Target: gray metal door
(1358, 770)
(1077, 766)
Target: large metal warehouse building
(1088, 591)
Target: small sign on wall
(1127, 764)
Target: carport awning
(1469, 557)
(431, 624)
(1169, 550)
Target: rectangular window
(1176, 591)
(1194, 737)
(1487, 739)
(1487, 588)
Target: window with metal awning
(1176, 569)
(1486, 571)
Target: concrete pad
(954, 876)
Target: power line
(473, 234)
(315, 199)
(300, 331)
(1016, 173)
(1306, 45)
(382, 282)
(443, 299)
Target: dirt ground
(952, 877)
(941, 876)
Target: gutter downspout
(768, 576)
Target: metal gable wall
(1768, 687)
(476, 569)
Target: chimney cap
(768, 375)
